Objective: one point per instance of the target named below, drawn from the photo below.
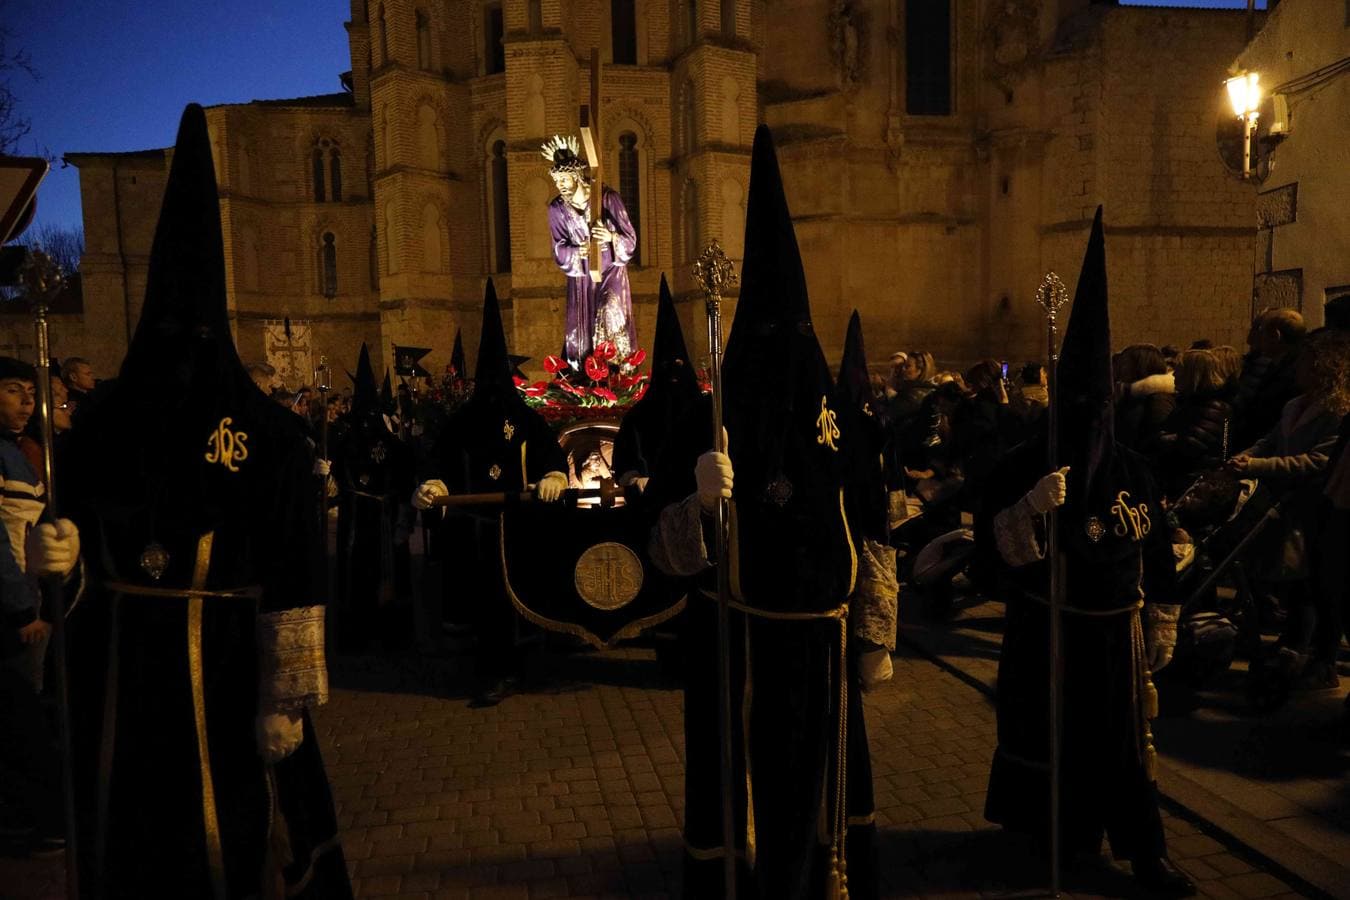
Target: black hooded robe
(375, 473)
(194, 498)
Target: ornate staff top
(323, 376)
(43, 279)
(1052, 295)
(713, 271)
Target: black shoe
(1161, 878)
(495, 694)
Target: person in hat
(595, 312)
(492, 443)
(1119, 619)
(375, 475)
(802, 782)
(197, 649)
(672, 390)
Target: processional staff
(323, 383)
(43, 281)
(714, 273)
(1052, 296)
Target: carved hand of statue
(599, 232)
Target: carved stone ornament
(848, 25)
(1012, 44)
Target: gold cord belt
(837, 879)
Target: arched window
(928, 58)
(383, 26)
(690, 215)
(374, 260)
(729, 18)
(494, 51)
(623, 31)
(630, 187)
(690, 22)
(428, 137)
(501, 210)
(432, 235)
(317, 171)
(335, 172)
(328, 265)
(423, 41)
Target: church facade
(939, 157)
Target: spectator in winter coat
(1267, 380)
(1195, 437)
(1147, 396)
(1293, 459)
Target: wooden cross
(592, 144)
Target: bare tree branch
(64, 246)
(14, 126)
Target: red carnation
(595, 368)
(638, 357)
(554, 364)
(606, 350)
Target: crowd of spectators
(1270, 422)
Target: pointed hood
(858, 408)
(672, 368)
(493, 369)
(855, 382)
(387, 394)
(184, 329)
(1084, 380)
(671, 391)
(782, 417)
(194, 443)
(365, 396)
(457, 356)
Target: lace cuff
(292, 670)
(676, 544)
(1161, 619)
(1015, 534)
(873, 607)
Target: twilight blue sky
(115, 74)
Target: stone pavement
(574, 789)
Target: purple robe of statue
(595, 312)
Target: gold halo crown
(563, 153)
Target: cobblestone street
(575, 788)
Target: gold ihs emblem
(508, 430)
(828, 425)
(1132, 522)
(227, 446)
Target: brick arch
(616, 117)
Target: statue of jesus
(595, 312)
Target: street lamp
(1244, 92)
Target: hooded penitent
(184, 477)
(1084, 386)
(457, 362)
(857, 407)
(671, 392)
(782, 418)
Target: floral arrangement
(603, 385)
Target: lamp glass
(1244, 93)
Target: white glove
(279, 734)
(53, 549)
(428, 491)
(714, 476)
(322, 468)
(1160, 633)
(631, 477)
(550, 488)
(1049, 493)
(874, 667)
